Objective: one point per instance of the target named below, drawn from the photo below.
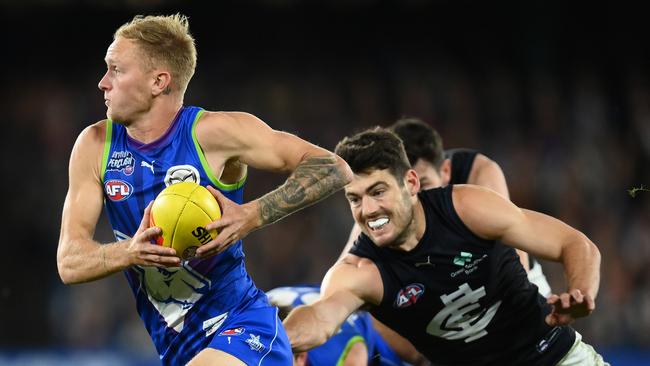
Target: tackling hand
(569, 306)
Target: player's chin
(382, 238)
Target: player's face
(126, 83)
(382, 207)
(430, 177)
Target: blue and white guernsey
(181, 307)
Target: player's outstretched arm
(491, 217)
(346, 287)
(315, 172)
(79, 257)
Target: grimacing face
(382, 207)
(126, 83)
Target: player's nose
(369, 206)
(104, 83)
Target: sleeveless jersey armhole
(107, 147)
(364, 247)
(206, 166)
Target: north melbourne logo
(254, 343)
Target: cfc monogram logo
(202, 235)
(462, 317)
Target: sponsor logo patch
(118, 190)
(121, 161)
(409, 295)
(233, 331)
(182, 173)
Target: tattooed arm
(315, 172)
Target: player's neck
(153, 123)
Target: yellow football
(181, 211)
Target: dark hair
(421, 141)
(374, 149)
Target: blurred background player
(357, 343)
(437, 168)
(151, 140)
(438, 267)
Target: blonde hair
(164, 39)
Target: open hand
(235, 223)
(569, 306)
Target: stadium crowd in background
(568, 124)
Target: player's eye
(354, 201)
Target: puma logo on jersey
(144, 164)
(427, 263)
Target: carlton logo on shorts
(409, 295)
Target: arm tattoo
(314, 179)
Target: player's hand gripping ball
(181, 211)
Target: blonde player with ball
(204, 311)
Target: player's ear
(162, 83)
(412, 182)
(445, 172)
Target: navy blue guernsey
(463, 300)
(181, 307)
(462, 161)
(461, 164)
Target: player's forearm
(581, 261)
(305, 330)
(314, 179)
(89, 261)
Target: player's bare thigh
(212, 357)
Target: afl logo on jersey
(409, 295)
(182, 173)
(118, 190)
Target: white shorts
(582, 354)
(536, 276)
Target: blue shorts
(256, 337)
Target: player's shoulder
(358, 275)
(482, 161)
(227, 119)
(226, 126)
(93, 135)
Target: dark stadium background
(558, 94)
